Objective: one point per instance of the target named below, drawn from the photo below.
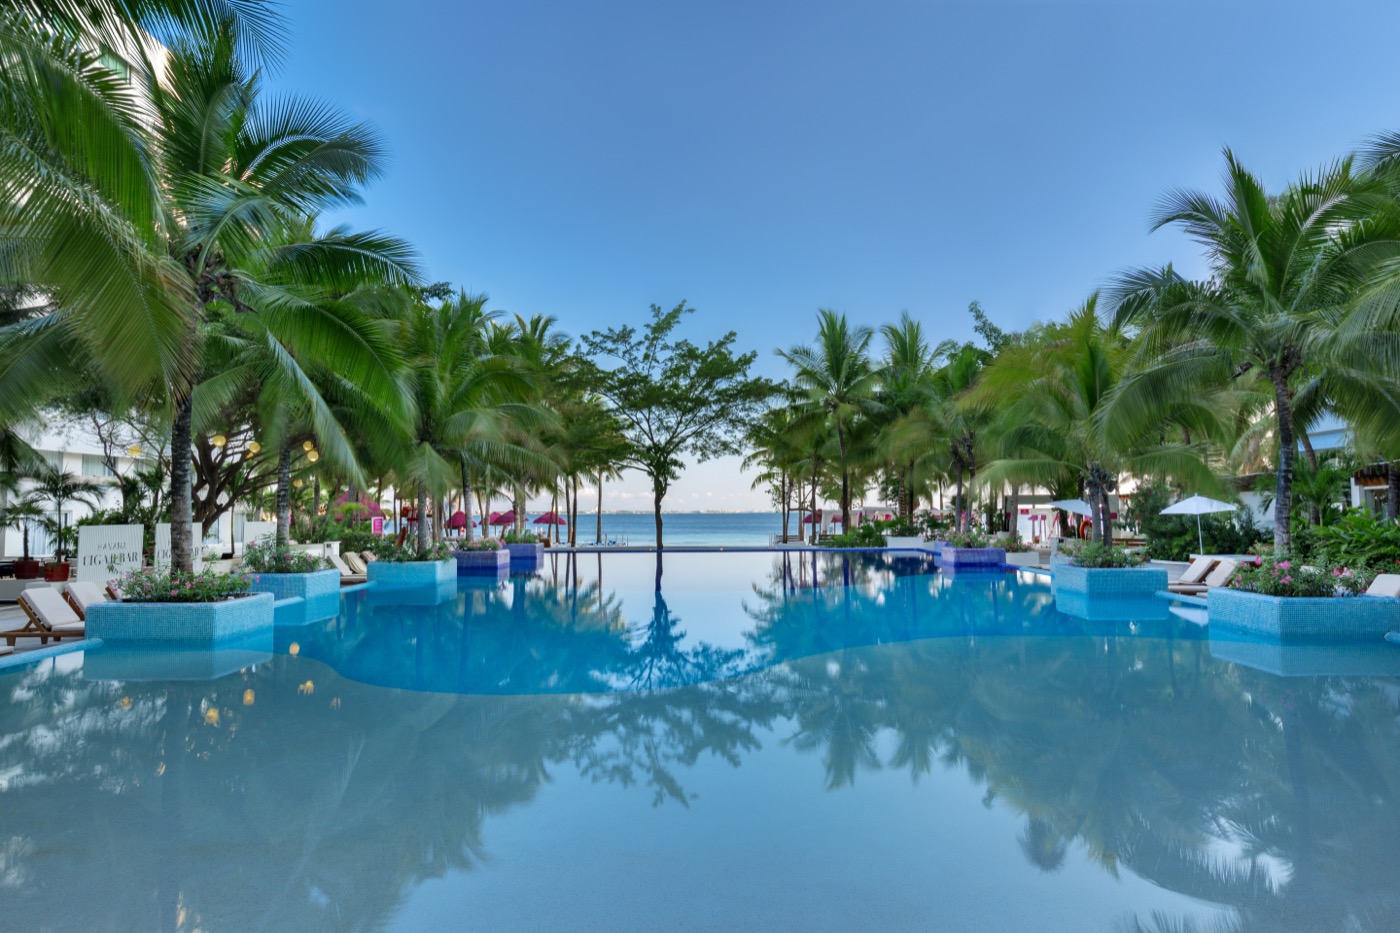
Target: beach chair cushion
(51, 610)
(356, 563)
(82, 595)
(1197, 571)
(1385, 584)
(339, 564)
(369, 556)
(1222, 573)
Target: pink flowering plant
(478, 544)
(1269, 575)
(162, 585)
(970, 538)
(392, 553)
(266, 557)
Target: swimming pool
(767, 741)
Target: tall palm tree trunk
(422, 518)
(958, 501)
(284, 493)
(784, 491)
(845, 480)
(468, 529)
(1287, 451)
(599, 516)
(813, 514)
(181, 491)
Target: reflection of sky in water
(905, 751)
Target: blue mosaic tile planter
(967, 558)
(412, 573)
(936, 546)
(1109, 581)
(478, 563)
(1104, 608)
(1294, 619)
(530, 552)
(185, 625)
(305, 585)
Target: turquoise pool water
(768, 741)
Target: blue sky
(762, 160)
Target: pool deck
(29, 650)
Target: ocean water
(766, 741)
(680, 528)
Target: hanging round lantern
(134, 450)
(313, 456)
(297, 484)
(218, 440)
(254, 447)
(307, 445)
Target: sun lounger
(49, 615)
(1191, 579)
(347, 576)
(82, 595)
(355, 562)
(1385, 584)
(369, 557)
(1218, 577)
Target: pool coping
(24, 658)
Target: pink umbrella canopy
(550, 518)
(458, 520)
(503, 518)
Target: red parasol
(550, 518)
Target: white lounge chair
(81, 596)
(1191, 578)
(347, 576)
(355, 562)
(49, 615)
(1218, 577)
(1385, 584)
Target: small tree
(675, 398)
(59, 487)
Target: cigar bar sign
(161, 558)
(106, 551)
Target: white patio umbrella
(1077, 506)
(1198, 506)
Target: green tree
(838, 379)
(673, 397)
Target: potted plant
(287, 572)
(1283, 600)
(970, 550)
(167, 607)
(20, 515)
(65, 539)
(1096, 569)
(60, 487)
(523, 546)
(405, 565)
(482, 556)
(902, 534)
(1019, 552)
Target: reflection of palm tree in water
(659, 661)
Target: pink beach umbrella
(550, 518)
(458, 520)
(503, 518)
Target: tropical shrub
(520, 537)
(480, 544)
(360, 539)
(1015, 544)
(970, 538)
(1095, 555)
(161, 585)
(266, 557)
(867, 534)
(1284, 576)
(900, 527)
(1174, 537)
(1359, 537)
(390, 552)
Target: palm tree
(60, 487)
(1056, 390)
(228, 169)
(838, 380)
(906, 384)
(469, 404)
(1285, 271)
